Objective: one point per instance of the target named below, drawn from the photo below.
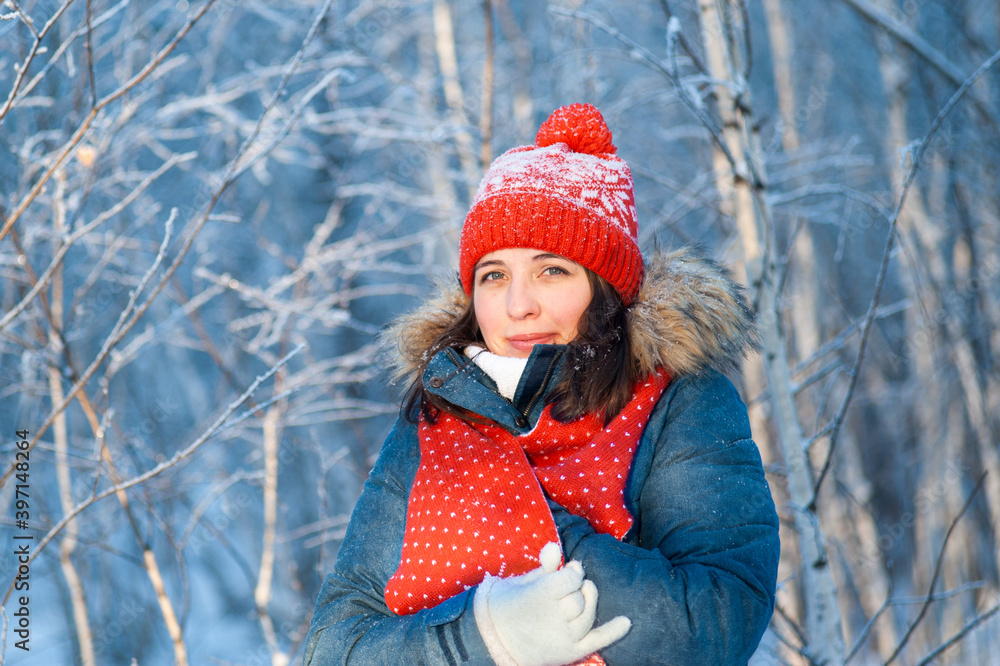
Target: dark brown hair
(599, 374)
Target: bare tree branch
(165, 465)
(81, 130)
(921, 47)
(887, 254)
(937, 571)
(22, 68)
(951, 642)
(671, 73)
(123, 325)
(42, 281)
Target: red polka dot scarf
(478, 504)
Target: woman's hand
(544, 617)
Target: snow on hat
(568, 194)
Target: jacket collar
(461, 382)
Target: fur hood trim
(690, 315)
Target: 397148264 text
(23, 539)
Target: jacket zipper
(462, 363)
(541, 387)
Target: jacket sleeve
(351, 623)
(697, 573)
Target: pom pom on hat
(568, 194)
(579, 126)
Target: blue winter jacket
(695, 574)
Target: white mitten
(544, 617)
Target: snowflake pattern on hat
(597, 185)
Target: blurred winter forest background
(210, 208)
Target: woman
(571, 479)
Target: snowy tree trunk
(741, 176)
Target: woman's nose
(521, 300)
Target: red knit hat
(568, 194)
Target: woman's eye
(490, 276)
(555, 270)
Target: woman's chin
(520, 349)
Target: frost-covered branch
(917, 161)
(174, 460)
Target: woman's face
(525, 297)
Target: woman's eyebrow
(549, 255)
(489, 262)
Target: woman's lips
(526, 342)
